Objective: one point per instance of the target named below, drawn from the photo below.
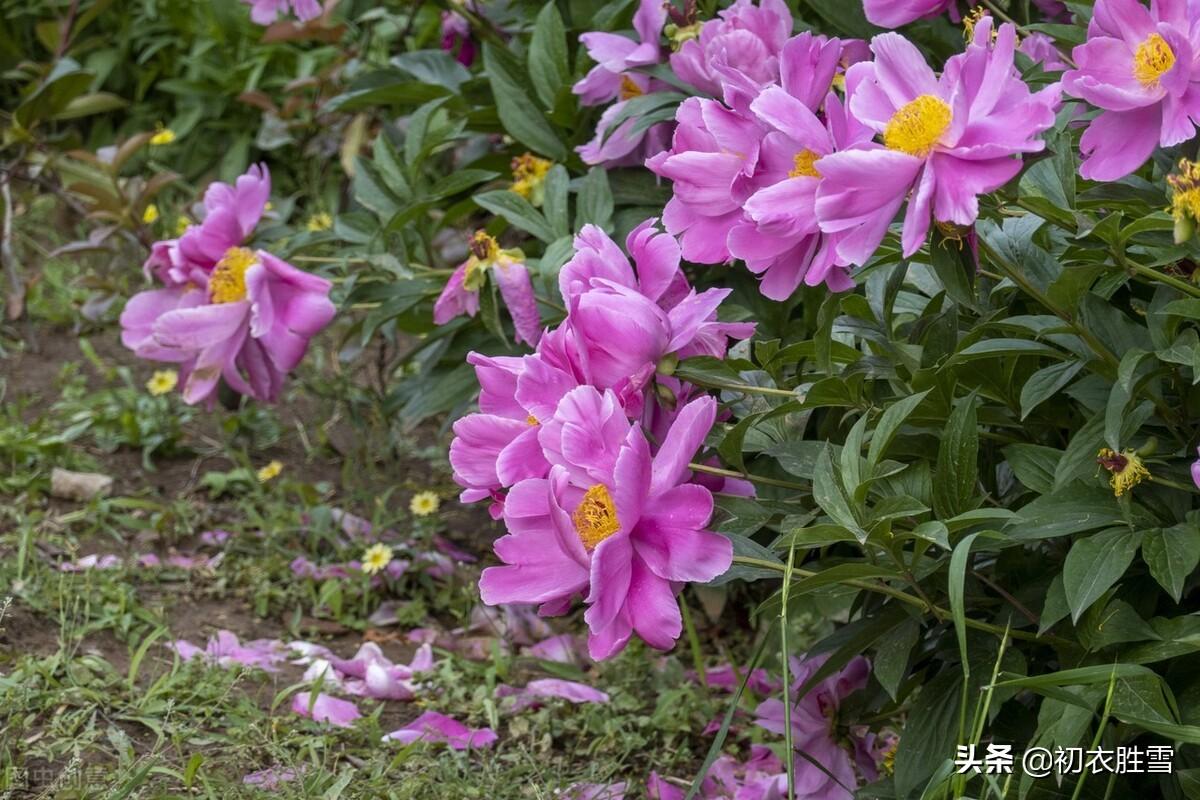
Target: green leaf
(370, 191)
(518, 211)
(595, 206)
(931, 730)
(1073, 509)
(66, 81)
(1094, 564)
(461, 180)
(828, 494)
(1172, 555)
(520, 115)
(889, 425)
(747, 547)
(554, 204)
(548, 67)
(1046, 383)
(954, 267)
(957, 465)
(1034, 465)
(990, 348)
(892, 654)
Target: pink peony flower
(894, 13)
(456, 37)
(610, 522)
(340, 713)
(814, 719)
(228, 312)
(713, 161)
(779, 237)
(738, 54)
(1139, 67)
(434, 727)
(507, 268)
(1042, 49)
(614, 78)
(264, 12)
(945, 140)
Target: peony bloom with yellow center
(321, 221)
(269, 471)
(162, 382)
(424, 503)
(1153, 59)
(376, 558)
(162, 136)
(529, 177)
(150, 214)
(1126, 467)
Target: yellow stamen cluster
(270, 471)
(424, 503)
(629, 88)
(1185, 191)
(1126, 467)
(802, 165)
(917, 126)
(376, 558)
(678, 34)
(227, 284)
(1153, 58)
(162, 136)
(162, 382)
(321, 221)
(529, 177)
(531, 421)
(972, 19)
(596, 517)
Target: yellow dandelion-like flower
(424, 503)
(320, 221)
(162, 136)
(162, 382)
(150, 215)
(182, 224)
(376, 558)
(1126, 467)
(270, 471)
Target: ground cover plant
(751, 400)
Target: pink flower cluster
(562, 446)
(801, 184)
(226, 311)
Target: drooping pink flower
(894, 13)
(507, 268)
(340, 713)
(434, 727)
(779, 237)
(610, 522)
(945, 140)
(736, 54)
(615, 78)
(813, 718)
(228, 312)
(1139, 67)
(456, 37)
(264, 12)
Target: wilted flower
(1139, 66)
(1126, 467)
(162, 381)
(529, 177)
(264, 12)
(269, 472)
(376, 557)
(424, 503)
(461, 295)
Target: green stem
(746, 388)
(729, 473)
(1183, 487)
(940, 613)
(1160, 277)
(787, 680)
(693, 641)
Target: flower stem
(693, 641)
(729, 473)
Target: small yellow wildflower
(377, 557)
(182, 223)
(162, 136)
(321, 221)
(424, 503)
(270, 471)
(150, 215)
(1126, 467)
(529, 177)
(162, 382)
